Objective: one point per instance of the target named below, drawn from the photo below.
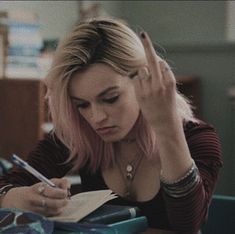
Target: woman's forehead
(96, 79)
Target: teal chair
(221, 218)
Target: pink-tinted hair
(106, 41)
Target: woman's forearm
(173, 150)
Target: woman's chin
(112, 139)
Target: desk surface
(157, 231)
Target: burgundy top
(183, 215)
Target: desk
(157, 231)
(148, 231)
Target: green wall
(178, 21)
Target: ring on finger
(41, 188)
(44, 204)
(146, 77)
(166, 69)
(143, 74)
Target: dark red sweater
(182, 215)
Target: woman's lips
(105, 130)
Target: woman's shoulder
(204, 143)
(50, 150)
(202, 137)
(53, 140)
(197, 125)
(50, 145)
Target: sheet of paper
(83, 204)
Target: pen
(21, 163)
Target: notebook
(82, 204)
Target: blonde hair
(107, 41)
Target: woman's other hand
(39, 198)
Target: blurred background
(196, 37)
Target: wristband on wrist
(5, 189)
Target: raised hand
(155, 88)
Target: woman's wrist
(184, 185)
(168, 128)
(3, 192)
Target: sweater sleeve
(186, 214)
(47, 157)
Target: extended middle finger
(152, 58)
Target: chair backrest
(221, 218)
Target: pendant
(129, 168)
(129, 176)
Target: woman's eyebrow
(102, 93)
(106, 91)
(76, 98)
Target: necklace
(129, 173)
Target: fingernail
(68, 193)
(142, 34)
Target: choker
(128, 140)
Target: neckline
(156, 196)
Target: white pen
(20, 162)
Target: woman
(121, 124)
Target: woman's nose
(98, 114)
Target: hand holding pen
(48, 197)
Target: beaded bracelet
(184, 185)
(191, 169)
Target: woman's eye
(112, 99)
(82, 105)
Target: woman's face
(106, 100)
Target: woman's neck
(126, 151)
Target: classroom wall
(178, 21)
(230, 18)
